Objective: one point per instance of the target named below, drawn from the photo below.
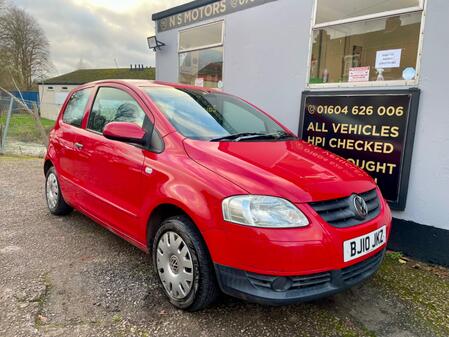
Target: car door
(66, 136)
(111, 171)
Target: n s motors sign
(372, 129)
(205, 12)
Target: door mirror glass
(125, 132)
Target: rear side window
(74, 111)
(114, 105)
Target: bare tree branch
(24, 48)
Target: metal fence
(22, 132)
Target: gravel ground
(67, 276)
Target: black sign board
(372, 129)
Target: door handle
(79, 146)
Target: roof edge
(181, 8)
(58, 83)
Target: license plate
(364, 244)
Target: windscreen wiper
(285, 135)
(255, 135)
(236, 136)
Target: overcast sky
(97, 31)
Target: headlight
(263, 211)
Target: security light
(154, 43)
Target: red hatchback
(222, 195)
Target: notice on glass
(388, 58)
(358, 74)
(199, 82)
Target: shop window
(365, 42)
(201, 55)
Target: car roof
(150, 83)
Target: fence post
(5, 131)
(44, 136)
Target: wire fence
(22, 132)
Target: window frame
(393, 83)
(221, 43)
(215, 45)
(86, 108)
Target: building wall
(265, 61)
(265, 56)
(428, 194)
(51, 99)
(261, 63)
(167, 57)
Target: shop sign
(372, 129)
(206, 12)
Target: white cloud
(97, 31)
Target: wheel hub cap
(52, 190)
(174, 265)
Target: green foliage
(396, 256)
(22, 127)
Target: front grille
(298, 282)
(342, 278)
(339, 213)
(358, 271)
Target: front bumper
(279, 290)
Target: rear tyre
(183, 265)
(55, 201)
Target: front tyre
(55, 201)
(183, 265)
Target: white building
(54, 91)
(366, 79)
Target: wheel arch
(158, 215)
(47, 165)
(164, 211)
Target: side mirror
(125, 132)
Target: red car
(222, 195)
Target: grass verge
(423, 287)
(22, 127)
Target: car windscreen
(204, 115)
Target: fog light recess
(281, 284)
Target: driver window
(114, 105)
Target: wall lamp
(154, 43)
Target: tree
(3, 70)
(23, 46)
